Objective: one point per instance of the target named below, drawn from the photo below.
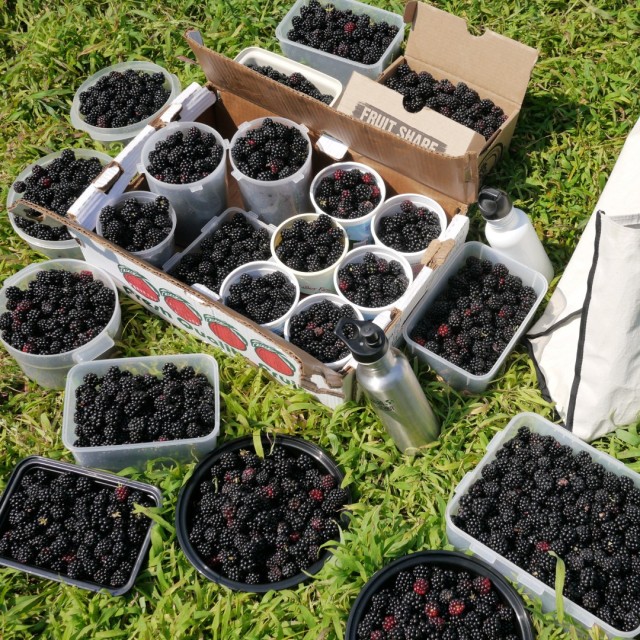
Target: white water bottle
(509, 230)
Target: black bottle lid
(368, 344)
(494, 203)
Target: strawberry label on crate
(273, 358)
(181, 307)
(139, 283)
(226, 333)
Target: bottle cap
(365, 339)
(494, 203)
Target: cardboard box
(497, 67)
(211, 321)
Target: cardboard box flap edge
(500, 64)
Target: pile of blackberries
(262, 299)
(341, 33)
(76, 526)
(57, 312)
(472, 321)
(123, 408)
(311, 246)
(374, 282)
(234, 243)
(435, 602)
(182, 158)
(272, 151)
(348, 193)
(313, 330)
(55, 187)
(261, 520)
(409, 229)
(296, 81)
(137, 226)
(537, 497)
(458, 102)
(119, 99)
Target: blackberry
(410, 229)
(296, 81)
(348, 194)
(119, 99)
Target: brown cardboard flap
(496, 63)
(456, 176)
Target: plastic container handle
(93, 349)
(464, 483)
(238, 175)
(196, 188)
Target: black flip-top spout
(365, 339)
(494, 204)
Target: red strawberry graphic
(181, 307)
(226, 333)
(273, 358)
(140, 284)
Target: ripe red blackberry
(348, 194)
(296, 81)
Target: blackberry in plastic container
(295, 81)
(409, 229)
(348, 194)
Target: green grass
(581, 103)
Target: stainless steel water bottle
(385, 375)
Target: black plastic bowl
(184, 515)
(448, 560)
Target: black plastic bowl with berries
(255, 513)
(75, 525)
(438, 594)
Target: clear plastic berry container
(340, 68)
(274, 201)
(263, 58)
(118, 457)
(357, 256)
(391, 206)
(358, 229)
(50, 248)
(159, 254)
(309, 281)
(106, 479)
(535, 588)
(50, 371)
(453, 375)
(122, 134)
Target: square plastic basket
(533, 587)
(118, 457)
(332, 65)
(455, 376)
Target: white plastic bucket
(358, 229)
(309, 281)
(274, 201)
(195, 203)
(50, 371)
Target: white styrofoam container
(206, 231)
(455, 376)
(340, 68)
(118, 457)
(263, 58)
(534, 587)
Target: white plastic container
(358, 229)
(392, 206)
(263, 58)
(51, 249)
(455, 376)
(118, 457)
(509, 230)
(333, 65)
(207, 230)
(309, 281)
(258, 269)
(274, 201)
(50, 371)
(159, 254)
(122, 134)
(532, 586)
(309, 301)
(197, 202)
(357, 256)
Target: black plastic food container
(105, 479)
(448, 560)
(183, 514)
